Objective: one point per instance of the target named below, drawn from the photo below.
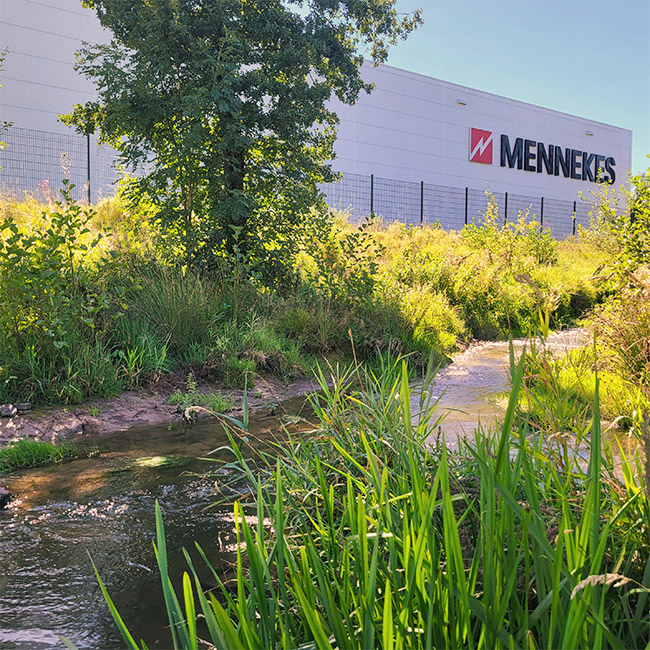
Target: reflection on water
(104, 506)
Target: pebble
(5, 497)
(7, 410)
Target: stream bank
(143, 408)
(470, 389)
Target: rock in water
(5, 498)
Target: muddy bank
(133, 409)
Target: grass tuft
(25, 453)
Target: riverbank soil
(137, 408)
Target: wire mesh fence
(39, 160)
(451, 207)
(36, 161)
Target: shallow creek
(104, 506)
(474, 387)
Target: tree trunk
(237, 214)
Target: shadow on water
(104, 506)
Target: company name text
(533, 156)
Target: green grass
(362, 536)
(192, 396)
(25, 453)
(135, 317)
(560, 392)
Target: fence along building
(423, 150)
(417, 149)
(39, 83)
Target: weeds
(192, 396)
(24, 453)
(364, 537)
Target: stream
(104, 506)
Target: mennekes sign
(533, 156)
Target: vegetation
(365, 537)
(620, 327)
(223, 109)
(192, 396)
(92, 306)
(24, 453)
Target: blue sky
(586, 58)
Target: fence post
(372, 194)
(574, 217)
(421, 203)
(541, 218)
(505, 217)
(466, 203)
(88, 162)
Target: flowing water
(474, 388)
(104, 506)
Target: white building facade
(39, 83)
(416, 149)
(437, 147)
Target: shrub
(52, 304)
(515, 245)
(623, 329)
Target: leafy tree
(224, 106)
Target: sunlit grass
(24, 453)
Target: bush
(355, 290)
(515, 245)
(52, 304)
(620, 224)
(623, 329)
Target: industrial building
(416, 149)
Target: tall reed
(367, 537)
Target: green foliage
(341, 263)
(622, 327)
(223, 106)
(192, 396)
(376, 289)
(46, 289)
(24, 452)
(52, 305)
(515, 245)
(365, 537)
(620, 224)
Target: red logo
(480, 146)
